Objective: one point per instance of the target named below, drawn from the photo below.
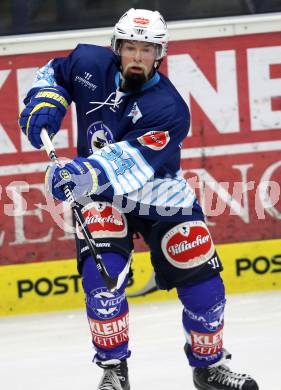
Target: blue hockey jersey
(134, 140)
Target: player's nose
(137, 56)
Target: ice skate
(221, 378)
(115, 376)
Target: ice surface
(53, 351)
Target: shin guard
(107, 311)
(203, 320)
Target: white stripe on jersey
(133, 177)
(166, 192)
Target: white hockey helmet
(141, 25)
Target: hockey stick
(111, 283)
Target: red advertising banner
(231, 157)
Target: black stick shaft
(111, 283)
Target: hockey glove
(45, 107)
(79, 175)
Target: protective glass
(140, 50)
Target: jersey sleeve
(57, 71)
(132, 162)
(62, 70)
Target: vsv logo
(104, 303)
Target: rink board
(55, 285)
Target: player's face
(137, 58)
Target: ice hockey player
(131, 124)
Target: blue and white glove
(45, 107)
(79, 175)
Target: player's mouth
(136, 69)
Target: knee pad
(101, 303)
(107, 311)
(203, 320)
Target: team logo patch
(104, 303)
(135, 113)
(188, 245)
(156, 140)
(99, 135)
(141, 21)
(206, 343)
(103, 221)
(64, 174)
(111, 333)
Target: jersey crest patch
(98, 135)
(135, 113)
(188, 245)
(156, 140)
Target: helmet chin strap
(157, 64)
